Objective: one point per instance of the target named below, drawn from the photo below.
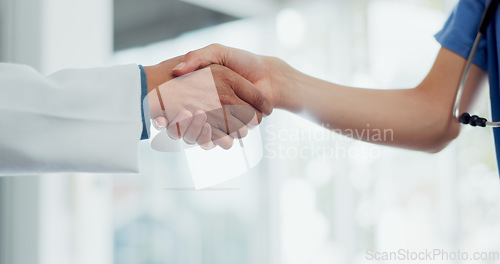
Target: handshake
(211, 96)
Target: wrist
(161, 73)
(286, 85)
(156, 75)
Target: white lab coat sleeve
(75, 120)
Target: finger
(156, 106)
(205, 138)
(254, 122)
(247, 92)
(160, 123)
(194, 129)
(221, 139)
(232, 58)
(179, 125)
(246, 114)
(241, 133)
(232, 125)
(221, 119)
(236, 129)
(212, 54)
(244, 89)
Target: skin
(420, 118)
(239, 98)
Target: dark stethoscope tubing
(465, 118)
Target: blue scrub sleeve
(144, 105)
(460, 30)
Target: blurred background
(316, 197)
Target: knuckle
(225, 99)
(214, 45)
(258, 99)
(227, 78)
(191, 54)
(219, 51)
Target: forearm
(419, 118)
(408, 118)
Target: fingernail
(159, 124)
(180, 66)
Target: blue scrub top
(458, 35)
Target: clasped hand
(209, 107)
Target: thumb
(212, 54)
